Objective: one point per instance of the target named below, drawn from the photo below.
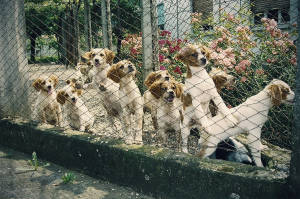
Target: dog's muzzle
(170, 97)
(203, 61)
(130, 69)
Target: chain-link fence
(212, 93)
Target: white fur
(251, 115)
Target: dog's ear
(110, 55)
(155, 89)
(207, 51)
(61, 97)
(86, 57)
(178, 90)
(55, 79)
(37, 84)
(114, 73)
(152, 77)
(219, 81)
(276, 94)
(79, 92)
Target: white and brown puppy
(47, 109)
(79, 116)
(168, 94)
(251, 115)
(199, 89)
(131, 100)
(150, 101)
(101, 59)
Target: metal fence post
(147, 37)
(294, 178)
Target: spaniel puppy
(150, 101)
(47, 109)
(199, 89)
(251, 115)
(221, 80)
(168, 94)
(131, 100)
(84, 72)
(101, 59)
(80, 117)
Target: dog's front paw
(185, 150)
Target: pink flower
(162, 42)
(243, 79)
(168, 42)
(227, 62)
(293, 60)
(177, 70)
(213, 55)
(176, 48)
(165, 33)
(162, 67)
(259, 71)
(171, 49)
(161, 58)
(263, 20)
(244, 64)
(269, 60)
(273, 23)
(229, 106)
(133, 51)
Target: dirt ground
(19, 180)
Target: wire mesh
(74, 81)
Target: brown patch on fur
(188, 55)
(151, 78)
(186, 100)
(188, 72)
(155, 89)
(86, 57)
(213, 108)
(61, 97)
(202, 151)
(220, 81)
(110, 55)
(79, 92)
(178, 90)
(276, 94)
(181, 115)
(114, 73)
(37, 84)
(55, 79)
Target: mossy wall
(159, 172)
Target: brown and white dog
(150, 101)
(251, 115)
(199, 89)
(79, 116)
(131, 99)
(168, 94)
(47, 109)
(102, 59)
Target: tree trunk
(32, 48)
(87, 24)
(109, 28)
(14, 78)
(118, 29)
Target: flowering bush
(167, 48)
(253, 57)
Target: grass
(68, 178)
(34, 162)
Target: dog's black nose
(167, 78)
(73, 99)
(171, 93)
(203, 60)
(96, 60)
(130, 68)
(49, 87)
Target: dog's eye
(43, 83)
(203, 52)
(174, 87)
(93, 55)
(66, 95)
(101, 55)
(164, 88)
(121, 67)
(73, 91)
(194, 55)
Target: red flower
(168, 42)
(177, 48)
(162, 42)
(164, 33)
(133, 51)
(171, 50)
(162, 67)
(177, 70)
(161, 58)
